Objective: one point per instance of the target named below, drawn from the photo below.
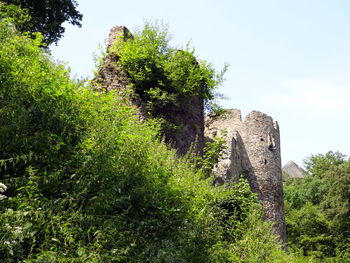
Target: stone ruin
(252, 151)
(190, 113)
(253, 145)
(110, 76)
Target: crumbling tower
(253, 146)
(110, 76)
(253, 151)
(188, 116)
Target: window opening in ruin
(261, 139)
(271, 142)
(265, 161)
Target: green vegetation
(171, 83)
(318, 209)
(46, 16)
(161, 74)
(87, 182)
(13, 14)
(83, 180)
(212, 153)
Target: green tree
(13, 14)
(336, 205)
(88, 182)
(318, 208)
(47, 17)
(320, 163)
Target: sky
(288, 59)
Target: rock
(253, 150)
(189, 115)
(293, 170)
(253, 146)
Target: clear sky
(288, 59)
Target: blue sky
(289, 59)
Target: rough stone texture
(118, 33)
(253, 146)
(189, 115)
(253, 150)
(110, 76)
(190, 118)
(293, 170)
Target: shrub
(87, 182)
(166, 78)
(317, 208)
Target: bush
(166, 78)
(87, 182)
(317, 208)
(163, 74)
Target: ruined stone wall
(253, 150)
(253, 146)
(110, 76)
(188, 116)
(190, 119)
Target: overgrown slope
(87, 182)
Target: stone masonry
(253, 146)
(189, 115)
(110, 76)
(253, 151)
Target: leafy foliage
(165, 78)
(162, 74)
(87, 182)
(212, 153)
(317, 208)
(47, 17)
(14, 15)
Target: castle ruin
(252, 151)
(189, 114)
(253, 145)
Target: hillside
(92, 174)
(88, 182)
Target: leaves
(88, 182)
(45, 16)
(163, 76)
(317, 207)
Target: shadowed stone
(253, 145)
(253, 150)
(293, 170)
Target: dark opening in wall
(261, 139)
(265, 161)
(245, 174)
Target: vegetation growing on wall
(87, 182)
(162, 74)
(171, 83)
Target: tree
(318, 207)
(88, 182)
(47, 17)
(337, 205)
(320, 163)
